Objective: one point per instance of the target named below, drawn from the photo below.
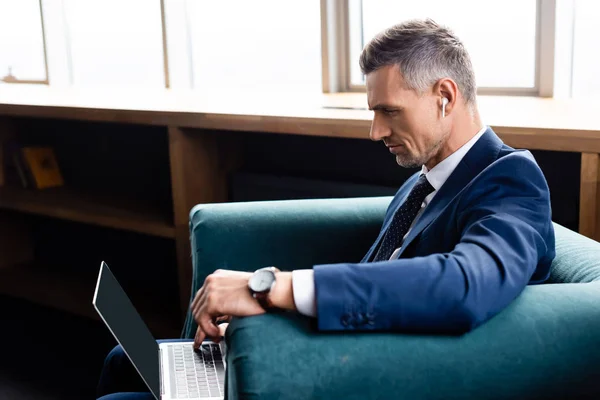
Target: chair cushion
(577, 258)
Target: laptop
(170, 370)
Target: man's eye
(389, 112)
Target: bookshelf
(96, 209)
(127, 192)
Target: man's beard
(410, 161)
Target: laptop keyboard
(197, 373)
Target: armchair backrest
(289, 234)
(296, 234)
(577, 258)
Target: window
(115, 42)
(266, 45)
(22, 52)
(499, 36)
(586, 62)
(530, 47)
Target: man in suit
(461, 238)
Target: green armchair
(546, 344)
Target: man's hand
(223, 295)
(199, 334)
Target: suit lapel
(482, 154)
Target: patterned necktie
(403, 219)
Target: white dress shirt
(303, 281)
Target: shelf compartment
(97, 209)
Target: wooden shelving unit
(45, 286)
(96, 209)
(139, 182)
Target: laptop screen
(128, 328)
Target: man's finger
(198, 338)
(223, 329)
(223, 318)
(196, 298)
(209, 328)
(199, 302)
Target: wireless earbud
(444, 102)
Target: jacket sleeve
(505, 225)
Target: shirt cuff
(303, 283)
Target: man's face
(408, 124)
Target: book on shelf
(42, 166)
(13, 168)
(29, 167)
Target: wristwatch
(260, 285)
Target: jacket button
(370, 318)
(346, 319)
(362, 319)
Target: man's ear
(446, 88)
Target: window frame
(336, 68)
(165, 47)
(59, 66)
(45, 81)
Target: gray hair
(425, 53)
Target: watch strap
(263, 300)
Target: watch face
(261, 281)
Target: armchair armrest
(546, 344)
(290, 234)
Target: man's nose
(379, 130)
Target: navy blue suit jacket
(485, 235)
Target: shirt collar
(440, 173)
